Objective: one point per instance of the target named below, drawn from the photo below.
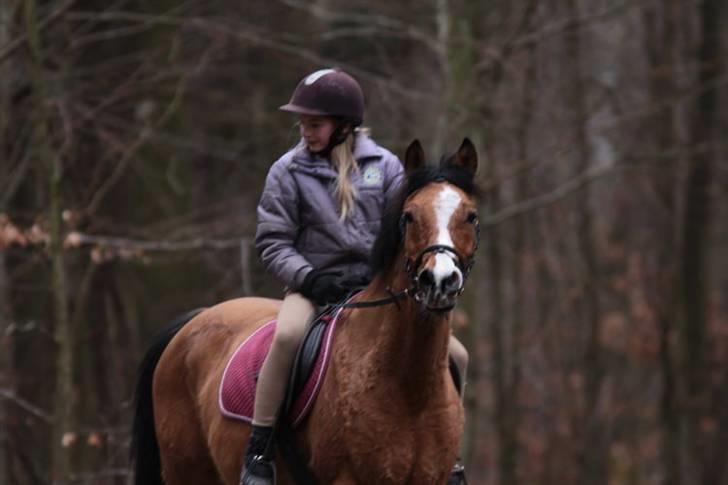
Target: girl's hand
(324, 287)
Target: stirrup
(260, 471)
(457, 475)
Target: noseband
(413, 272)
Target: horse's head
(433, 227)
(439, 225)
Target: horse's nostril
(426, 278)
(451, 283)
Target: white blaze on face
(446, 203)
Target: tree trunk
(695, 261)
(660, 28)
(443, 25)
(509, 443)
(506, 465)
(6, 342)
(6, 367)
(591, 454)
(63, 335)
(50, 163)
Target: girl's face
(316, 131)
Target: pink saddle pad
(237, 389)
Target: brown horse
(387, 411)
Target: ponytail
(343, 160)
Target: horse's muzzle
(439, 293)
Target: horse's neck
(401, 343)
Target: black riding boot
(257, 468)
(457, 474)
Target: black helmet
(328, 92)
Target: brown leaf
(69, 438)
(94, 439)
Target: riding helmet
(328, 92)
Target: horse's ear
(466, 157)
(414, 158)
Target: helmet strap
(343, 128)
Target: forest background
(135, 136)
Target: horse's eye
(472, 218)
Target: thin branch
(560, 27)
(245, 33)
(107, 35)
(14, 180)
(96, 477)
(209, 147)
(9, 395)
(370, 21)
(10, 48)
(78, 239)
(545, 200)
(139, 142)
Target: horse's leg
(184, 455)
(183, 450)
(227, 439)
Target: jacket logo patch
(372, 176)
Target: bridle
(465, 265)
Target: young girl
(317, 220)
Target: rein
(392, 298)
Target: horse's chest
(395, 446)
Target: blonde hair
(342, 156)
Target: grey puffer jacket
(299, 227)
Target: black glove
(355, 282)
(324, 286)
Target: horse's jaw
(437, 306)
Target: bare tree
(49, 160)
(6, 348)
(661, 50)
(696, 232)
(591, 451)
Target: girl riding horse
(322, 205)
(317, 219)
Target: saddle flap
(239, 380)
(308, 354)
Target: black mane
(389, 239)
